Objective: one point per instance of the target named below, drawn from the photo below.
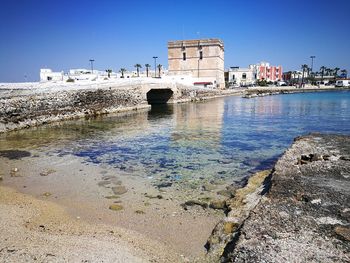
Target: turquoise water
(223, 139)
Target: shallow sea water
(219, 140)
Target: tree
(109, 71)
(329, 71)
(122, 70)
(322, 70)
(335, 70)
(138, 66)
(159, 69)
(304, 68)
(344, 73)
(296, 73)
(147, 66)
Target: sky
(65, 34)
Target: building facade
(202, 59)
(238, 77)
(269, 73)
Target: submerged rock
(164, 184)
(14, 172)
(119, 190)
(47, 194)
(47, 172)
(218, 204)
(204, 205)
(116, 207)
(112, 197)
(153, 196)
(14, 154)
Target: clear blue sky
(66, 34)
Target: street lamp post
(155, 66)
(92, 65)
(312, 62)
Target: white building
(242, 76)
(48, 75)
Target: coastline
(22, 108)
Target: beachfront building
(242, 76)
(47, 74)
(267, 72)
(200, 59)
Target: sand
(36, 230)
(68, 198)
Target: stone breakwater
(22, 111)
(31, 107)
(268, 91)
(303, 217)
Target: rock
(1, 178)
(112, 197)
(153, 196)
(316, 157)
(224, 192)
(209, 187)
(47, 172)
(47, 194)
(14, 154)
(229, 191)
(343, 232)
(119, 190)
(305, 213)
(193, 203)
(116, 207)
(140, 212)
(229, 227)
(14, 172)
(217, 204)
(165, 184)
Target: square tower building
(202, 59)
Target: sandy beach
(67, 197)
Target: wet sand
(82, 193)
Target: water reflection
(191, 143)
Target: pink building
(268, 73)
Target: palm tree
(122, 70)
(344, 73)
(138, 66)
(322, 70)
(304, 68)
(109, 71)
(335, 70)
(329, 71)
(159, 69)
(147, 66)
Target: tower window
(200, 54)
(184, 56)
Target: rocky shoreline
(24, 108)
(269, 91)
(40, 104)
(300, 213)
